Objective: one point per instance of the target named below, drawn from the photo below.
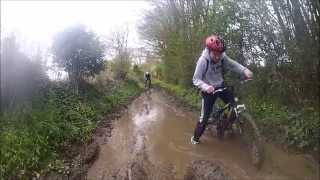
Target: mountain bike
(234, 118)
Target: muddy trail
(151, 140)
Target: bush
(32, 135)
(297, 128)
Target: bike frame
(237, 108)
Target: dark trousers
(147, 82)
(208, 101)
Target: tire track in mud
(129, 157)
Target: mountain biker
(147, 79)
(208, 77)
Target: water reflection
(147, 112)
(147, 102)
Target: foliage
(137, 73)
(296, 128)
(121, 61)
(159, 71)
(120, 66)
(277, 40)
(79, 52)
(32, 135)
(22, 77)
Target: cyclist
(208, 77)
(147, 79)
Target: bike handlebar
(219, 90)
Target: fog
(28, 29)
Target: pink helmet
(215, 43)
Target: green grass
(295, 128)
(32, 135)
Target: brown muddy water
(155, 133)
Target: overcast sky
(35, 22)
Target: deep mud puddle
(152, 141)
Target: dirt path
(151, 140)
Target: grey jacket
(213, 76)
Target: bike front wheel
(252, 138)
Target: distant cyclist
(147, 80)
(208, 77)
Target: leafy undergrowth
(298, 129)
(32, 134)
(295, 128)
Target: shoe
(193, 141)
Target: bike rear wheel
(251, 136)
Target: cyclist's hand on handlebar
(248, 74)
(210, 89)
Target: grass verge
(33, 134)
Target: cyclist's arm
(234, 66)
(198, 73)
